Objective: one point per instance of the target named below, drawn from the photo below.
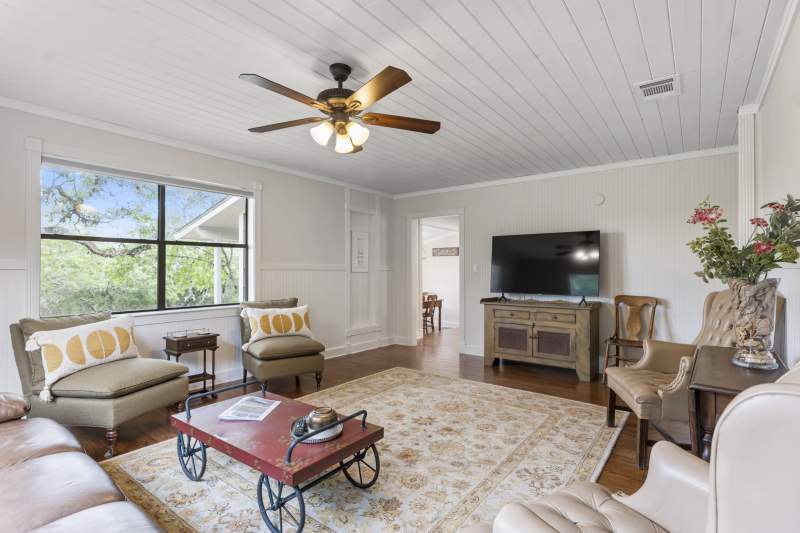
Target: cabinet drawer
(197, 344)
(507, 313)
(564, 318)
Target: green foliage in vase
(775, 239)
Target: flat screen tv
(547, 263)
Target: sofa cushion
(284, 347)
(28, 439)
(114, 517)
(117, 378)
(581, 507)
(39, 491)
(13, 406)
(32, 325)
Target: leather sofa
(749, 484)
(47, 483)
(102, 396)
(276, 357)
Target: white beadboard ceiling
(521, 87)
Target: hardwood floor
(437, 353)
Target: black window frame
(161, 244)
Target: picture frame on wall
(359, 251)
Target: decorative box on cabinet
(555, 333)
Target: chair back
(428, 307)
(719, 316)
(754, 467)
(628, 314)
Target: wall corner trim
(777, 50)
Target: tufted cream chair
(749, 484)
(656, 390)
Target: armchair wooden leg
(641, 444)
(263, 388)
(244, 375)
(111, 440)
(297, 381)
(611, 409)
(318, 376)
(605, 360)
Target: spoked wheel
(275, 512)
(192, 456)
(363, 469)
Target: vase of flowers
(775, 239)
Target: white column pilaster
(747, 171)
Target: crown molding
(577, 171)
(777, 50)
(102, 125)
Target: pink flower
(761, 248)
(705, 215)
(760, 222)
(775, 206)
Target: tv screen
(547, 263)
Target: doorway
(440, 285)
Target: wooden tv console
(554, 333)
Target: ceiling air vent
(658, 89)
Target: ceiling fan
(344, 107)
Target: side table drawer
(196, 344)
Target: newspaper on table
(250, 408)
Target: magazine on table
(250, 408)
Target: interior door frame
(414, 311)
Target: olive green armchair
(276, 357)
(103, 396)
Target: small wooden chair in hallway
(428, 310)
(629, 332)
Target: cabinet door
(554, 343)
(512, 339)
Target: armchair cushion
(24, 440)
(12, 406)
(30, 326)
(639, 389)
(284, 347)
(117, 378)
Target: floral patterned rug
(453, 453)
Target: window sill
(166, 316)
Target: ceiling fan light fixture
(343, 144)
(358, 133)
(322, 132)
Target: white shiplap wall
(643, 225)
(778, 164)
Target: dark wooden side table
(712, 386)
(205, 342)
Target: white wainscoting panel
(13, 295)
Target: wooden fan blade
(270, 85)
(387, 80)
(402, 123)
(291, 123)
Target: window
(115, 243)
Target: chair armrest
(13, 406)
(663, 356)
(675, 395)
(675, 493)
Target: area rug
(454, 452)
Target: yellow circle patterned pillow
(276, 322)
(70, 350)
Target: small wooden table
(177, 346)
(288, 466)
(712, 386)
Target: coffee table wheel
(363, 469)
(191, 452)
(279, 495)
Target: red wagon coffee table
(288, 466)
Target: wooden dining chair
(629, 332)
(428, 308)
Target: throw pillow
(277, 322)
(70, 350)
